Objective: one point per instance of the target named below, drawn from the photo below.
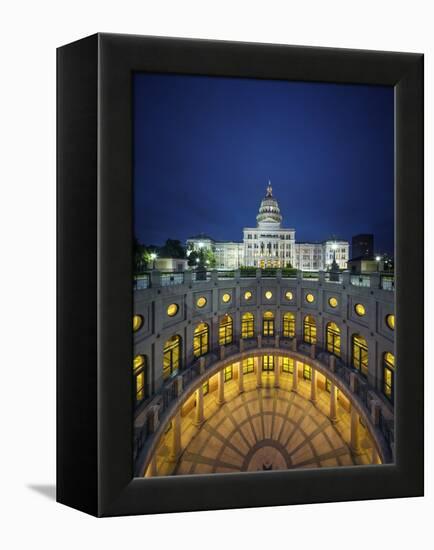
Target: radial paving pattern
(263, 429)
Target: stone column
(258, 368)
(313, 386)
(333, 403)
(175, 449)
(199, 417)
(355, 432)
(277, 361)
(152, 468)
(221, 387)
(240, 377)
(295, 377)
(375, 456)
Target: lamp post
(378, 259)
(153, 258)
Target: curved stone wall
(264, 295)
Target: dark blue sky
(204, 148)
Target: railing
(360, 280)
(169, 392)
(387, 282)
(156, 278)
(198, 276)
(141, 282)
(169, 279)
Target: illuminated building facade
(271, 245)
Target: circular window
(137, 322)
(247, 295)
(226, 297)
(310, 298)
(360, 310)
(201, 302)
(289, 295)
(138, 361)
(268, 294)
(390, 321)
(172, 310)
(333, 302)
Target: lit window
(137, 322)
(247, 325)
(225, 330)
(360, 310)
(228, 373)
(289, 295)
(333, 337)
(201, 302)
(388, 375)
(248, 365)
(247, 295)
(139, 365)
(287, 365)
(310, 298)
(307, 372)
(205, 387)
(309, 329)
(172, 310)
(360, 354)
(390, 321)
(268, 294)
(201, 340)
(226, 298)
(268, 362)
(333, 302)
(171, 356)
(268, 324)
(288, 325)
(139, 360)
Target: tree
(205, 256)
(172, 249)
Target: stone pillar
(295, 377)
(258, 368)
(276, 341)
(152, 470)
(175, 448)
(277, 361)
(259, 340)
(355, 432)
(313, 386)
(155, 278)
(375, 412)
(199, 417)
(333, 403)
(353, 382)
(241, 345)
(221, 387)
(294, 344)
(332, 363)
(202, 365)
(312, 351)
(240, 377)
(222, 352)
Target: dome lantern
(269, 216)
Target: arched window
(201, 340)
(268, 324)
(359, 353)
(288, 325)
(139, 373)
(225, 330)
(333, 338)
(389, 375)
(172, 356)
(309, 329)
(247, 325)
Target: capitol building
(271, 245)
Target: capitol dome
(269, 215)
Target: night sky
(205, 147)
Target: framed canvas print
(240, 275)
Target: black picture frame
(94, 248)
